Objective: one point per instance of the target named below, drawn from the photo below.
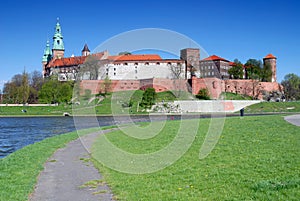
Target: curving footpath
(293, 119)
(67, 172)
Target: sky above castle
(230, 29)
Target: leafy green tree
(54, 91)
(266, 73)
(149, 97)
(17, 90)
(203, 94)
(291, 85)
(253, 69)
(236, 71)
(125, 53)
(24, 89)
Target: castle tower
(58, 49)
(192, 58)
(85, 51)
(271, 60)
(46, 57)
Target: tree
(203, 94)
(54, 91)
(17, 90)
(92, 69)
(107, 85)
(177, 71)
(125, 53)
(149, 97)
(24, 88)
(36, 82)
(236, 71)
(253, 69)
(291, 85)
(266, 73)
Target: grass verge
(279, 107)
(256, 158)
(19, 170)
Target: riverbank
(20, 170)
(105, 110)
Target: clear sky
(228, 28)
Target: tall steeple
(58, 49)
(85, 51)
(47, 53)
(46, 57)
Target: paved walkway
(293, 119)
(65, 173)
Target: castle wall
(247, 87)
(215, 86)
(144, 70)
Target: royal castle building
(139, 71)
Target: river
(17, 132)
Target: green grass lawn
(36, 110)
(256, 158)
(273, 107)
(19, 170)
(234, 96)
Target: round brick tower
(271, 60)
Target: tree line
(254, 69)
(33, 88)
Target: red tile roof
(136, 57)
(270, 56)
(232, 63)
(214, 58)
(71, 61)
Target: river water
(17, 132)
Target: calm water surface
(17, 132)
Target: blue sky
(228, 28)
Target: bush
(203, 94)
(149, 97)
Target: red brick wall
(215, 86)
(248, 87)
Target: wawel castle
(140, 71)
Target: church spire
(85, 51)
(47, 53)
(58, 44)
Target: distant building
(214, 66)
(131, 72)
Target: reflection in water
(17, 132)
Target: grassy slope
(273, 107)
(19, 170)
(233, 96)
(261, 163)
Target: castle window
(58, 42)
(125, 64)
(147, 63)
(114, 73)
(114, 69)
(136, 64)
(157, 63)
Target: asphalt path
(67, 172)
(293, 119)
